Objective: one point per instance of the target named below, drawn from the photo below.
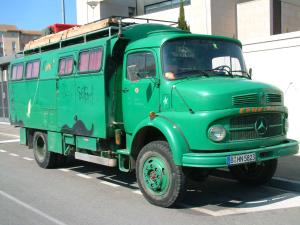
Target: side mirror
(250, 73)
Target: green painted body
(84, 110)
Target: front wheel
(160, 180)
(255, 173)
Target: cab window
(140, 65)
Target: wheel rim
(41, 150)
(156, 175)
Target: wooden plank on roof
(70, 33)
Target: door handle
(125, 90)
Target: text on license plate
(240, 159)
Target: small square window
(28, 70)
(84, 61)
(17, 72)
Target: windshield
(199, 57)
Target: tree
(181, 20)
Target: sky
(36, 14)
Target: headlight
(217, 133)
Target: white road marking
(64, 170)
(25, 205)
(13, 154)
(9, 135)
(137, 192)
(9, 141)
(283, 204)
(286, 180)
(28, 159)
(3, 151)
(83, 176)
(4, 123)
(109, 184)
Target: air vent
(273, 98)
(245, 100)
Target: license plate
(240, 159)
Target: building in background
(13, 40)
(243, 19)
(263, 18)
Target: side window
(84, 61)
(65, 66)
(140, 65)
(32, 69)
(90, 60)
(17, 72)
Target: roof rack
(90, 31)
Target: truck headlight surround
(217, 133)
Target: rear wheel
(255, 173)
(160, 180)
(43, 157)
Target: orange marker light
(152, 115)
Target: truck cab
(193, 95)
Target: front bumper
(215, 160)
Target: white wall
(197, 15)
(85, 14)
(275, 60)
(254, 19)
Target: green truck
(149, 98)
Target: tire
(196, 174)
(43, 157)
(160, 180)
(255, 173)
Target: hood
(215, 93)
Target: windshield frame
(244, 73)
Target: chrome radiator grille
(247, 127)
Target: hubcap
(156, 175)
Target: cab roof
(155, 35)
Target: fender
(173, 134)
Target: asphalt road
(87, 194)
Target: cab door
(140, 89)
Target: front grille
(255, 126)
(273, 98)
(245, 100)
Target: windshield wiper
(243, 72)
(216, 70)
(193, 73)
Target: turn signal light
(152, 115)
